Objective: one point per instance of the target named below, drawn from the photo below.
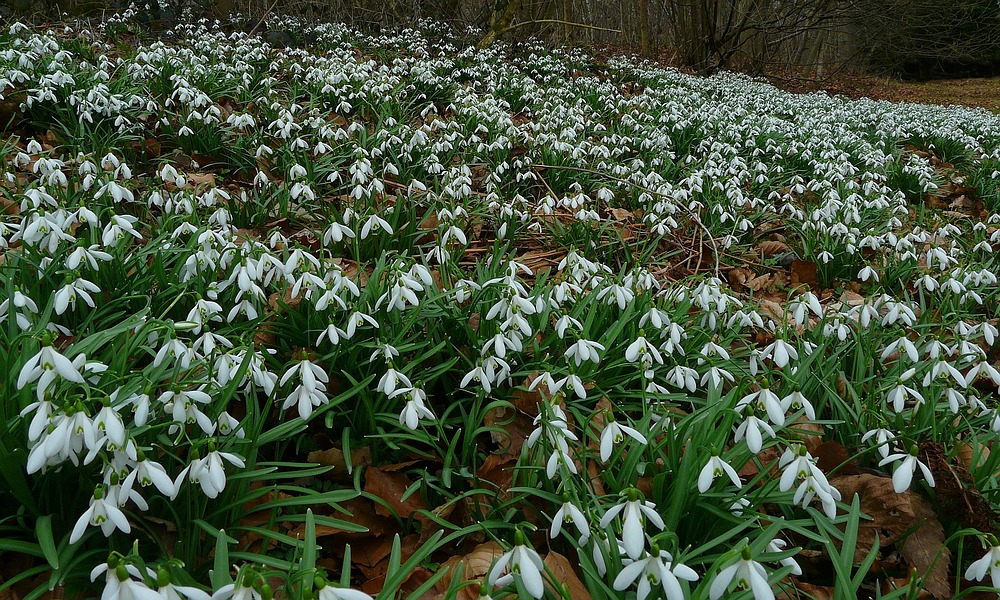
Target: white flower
(989, 562)
(103, 512)
(713, 469)
(67, 295)
(44, 366)
(148, 472)
(210, 471)
(640, 349)
(903, 474)
(748, 574)
(415, 410)
(781, 352)
(169, 591)
(524, 562)
(766, 401)
(799, 466)
(375, 222)
(777, 545)
(751, 429)
(584, 350)
(655, 569)
(329, 592)
(614, 433)
(634, 512)
(311, 391)
(569, 513)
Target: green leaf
(43, 532)
(309, 552)
(220, 568)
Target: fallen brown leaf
(906, 521)
(334, 457)
(475, 565)
(197, 179)
(769, 248)
(390, 487)
(563, 572)
(805, 272)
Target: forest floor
(982, 91)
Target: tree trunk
(567, 13)
(503, 14)
(644, 27)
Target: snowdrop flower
(713, 469)
(551, 385)
(118, 227)
(524, 562)
(229, 424)
(989, 562)
(103, 513)
(569, 513)
(634, 514)
(169, 591)
(897, 395)
(751, 428)
(907, 465)
(777, 545)
(242, 589)
(902, 345)
(574, 382)
(477, 374)
(797, 401)
(781, 352)
(391, 380)
(311, 391)
(882, 439)
(109, 422)
(25, 305)
(89, 255)
(148, 472)
(748, 575)
(210, 471)
(45, 365)
(372, 223)
(325, 591)
(67, 295)
(614, 433)
(584, 350)
(563, 323)
(657, 569)
(800, 466)
(765, 400)
(867, 273)
(640, 349)
(415, 410)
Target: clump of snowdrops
(393, 251)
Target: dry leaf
(766, 281)
(390, 487)
(817, 592)
(475, 565)
(621, 214)
(740, 276)
(196, 179)
(769, 248)
(334, 457)
(833, 455)
(563, 572)
(895, 516)
(805, 272)
(809, 433)
(152, 146)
